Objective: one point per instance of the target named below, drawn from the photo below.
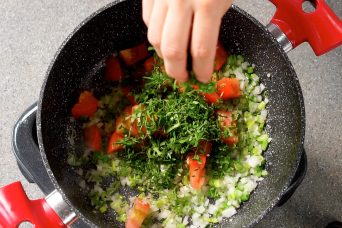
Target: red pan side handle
(321, 28)
(16, 208)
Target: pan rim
(99, 11)
(302, 110)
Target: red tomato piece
(226, 121)
(113, 70)
(139, 212)
(135, 131)
(203, 146)
(149, 64)
(182, 88)
(230, 140)
(140, 146)
(228, 88)
(122, 124)
(212, 98)
(87, 105)
(133, 55)
(197, 171)
(138, 73)
(112, 147)
(127, 92)
(93, 137)
(220, 56)
(85, 96)
(127, 111)
(161, 133)
(143, 83)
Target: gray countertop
(31, 32)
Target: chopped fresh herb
(170, 123)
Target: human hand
(172, 23)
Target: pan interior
(78, 67)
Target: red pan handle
(16, 208)
(321, 28)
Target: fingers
(205, 33)
(175, 38)
(147, 6)
(156, 24)
(170, 22)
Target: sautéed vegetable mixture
(192, 151)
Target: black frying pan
(77, 66)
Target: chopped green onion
(213, 220)
(244, 197)
(142, 195)
(261, 105)
(103, 209)
(250, 70)
(262, 138)
(240, 57)
(122, 217)
(264, 144)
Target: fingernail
(181, 80)
(203, 80)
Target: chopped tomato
(161, 68)
(149, 64)
(113, 70)
(143, 83)
(211, 98)
(197, 171)
(182, 88)
(122, 124)
(138, 73)
(203, 146)
(85, 96)
(143, 144)
(139, 212)
(93, 137)
(135, 131)
(127, 111)
(133, 55)
(228, 120)
(127, 92)
(228, 88)
(161, 132)
(87, 105)
(160, 65)
(220, 56)
(112, 147)
(230, 140)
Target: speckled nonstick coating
(78, 65)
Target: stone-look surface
(32, 31)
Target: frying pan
(77, 66)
